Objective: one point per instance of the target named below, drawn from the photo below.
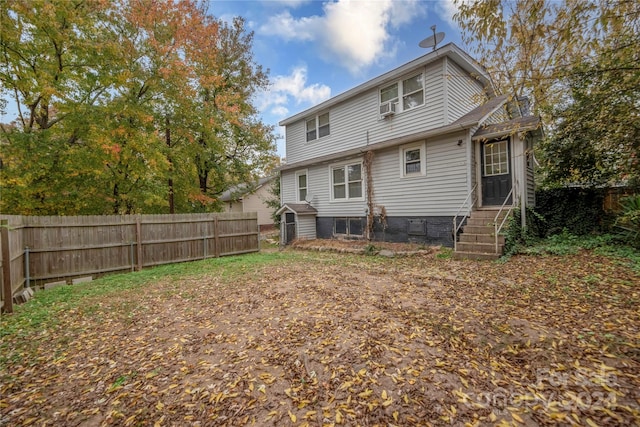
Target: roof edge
(449, 50)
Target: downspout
(523, 196)
(470, 168)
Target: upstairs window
(410, 91)
(389, 94)
(347, 182)
(311, 129)
(317, 126)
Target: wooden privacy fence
(36, 250)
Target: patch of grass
(444, 253)
(46, 308)
(566, 243)
(370, 250)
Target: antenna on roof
(432, 41)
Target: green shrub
(577, 210)
(628, 223)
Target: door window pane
(496, 158)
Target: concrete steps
(477, 240)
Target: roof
(236, 192)
(298, 208)
(469, 120)
(449, 50)
(478, 114)
(521, 124)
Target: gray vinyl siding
(498, 116)
(531, 186)
(306, 227)
(321, 189)
(288, 187)
(439, 193)
(464, 93)
(356, 123)
(319, 186)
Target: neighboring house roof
(298, 208)
(450, 50)
(521, 124)
(237, 192)
(469, 120)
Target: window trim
(318, 127)
(299, 173)
(345, 165)
(422, 146)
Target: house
(410, 156)
(251, 198)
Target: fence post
(216, 236)
(139, 241)
(27, 273)
(204, 247)
(6, 266)
(133, 259)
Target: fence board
(61, 248)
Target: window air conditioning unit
(387, 109)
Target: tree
(237, 148)
(48, 69)
(596, 137)
(128, 106)
(576, 60)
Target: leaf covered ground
(318, 338)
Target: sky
(315, 50)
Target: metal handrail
(456, 226)
(495, 220)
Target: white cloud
(354, 34)
(284, 25)
(290, 3)
(446, 9)
(291, 88)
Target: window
(496, 161)
(413, 160)
(323, 125)
(301, 182)
(412, 90)
(389, 94)
(348, 226)
(317, 126)
(311, 129)
(347, 181)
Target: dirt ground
(321, 338)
